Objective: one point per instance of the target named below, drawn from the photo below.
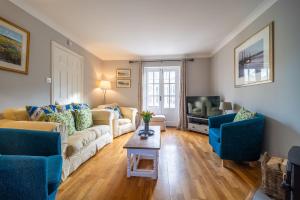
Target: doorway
(161, 92)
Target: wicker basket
(273, 170)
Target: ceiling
(130, 29)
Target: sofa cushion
(83, 119)
(79, 106)
(116, 109)
(214, 133)
(100, 130)
(65, 118)
(124, 121)
(79, 140)
(40, 113)
(16, 114)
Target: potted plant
(146, 115)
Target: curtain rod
(162, 60)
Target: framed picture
(253, 59)
(14, 47)
(123, 83)
(123, 73)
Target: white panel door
(161, 92)
(67, 75)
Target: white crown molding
(39, 16)
(260, 9)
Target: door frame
(161, 68)
(54, 45)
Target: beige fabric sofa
(123, 125)
(77, 148)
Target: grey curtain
(182, 103)
(140, 92)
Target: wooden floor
(188, 169)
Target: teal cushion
(244, 114)
(83, 119)
(65, 118)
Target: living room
(219, 81)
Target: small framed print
(14, 47)
(123, 83)
(123, 73)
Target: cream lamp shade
(225, 106)
(105, 85)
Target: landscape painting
(123, 73)
(254, 59)
(123, 83)
(14, 47)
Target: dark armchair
(238, 141)
(30, 164)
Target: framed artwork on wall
(123, 83)
(253, 59)
(123, 73)
(14, 47)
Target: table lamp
(104, 85)
(224, 106)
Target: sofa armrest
(217, 121)
(102, 116)
(20, 174)
(130, 113)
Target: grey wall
(198, 77)
(278, 101)
(17, 90)
(198, 80)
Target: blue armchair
(237, 141)
(30, 164)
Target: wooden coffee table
(138, 149)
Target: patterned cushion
(65, 118)
(116, 110)
(244, 114)
(79, 106)
(83, 119)
(40, 113)
(63, 108)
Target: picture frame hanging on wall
(253, 59)
(14, 47)
(123, 83)
(123, 73)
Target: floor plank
(188, 169)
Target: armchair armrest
(216, 121)
(29, 142)
(130, 113)
(23, 177)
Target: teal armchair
(237, 141)
(30, 164)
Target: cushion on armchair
(244, 114)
